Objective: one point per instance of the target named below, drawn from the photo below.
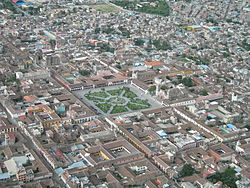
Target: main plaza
(117, 99)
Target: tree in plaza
(138, 42)
(163, 87)
(187, 170)
(85, 72)
(152, 89)
(228, 178)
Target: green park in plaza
(117, 100)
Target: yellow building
(193, 28)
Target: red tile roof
(154, 63)
(29, 98)
(11, 135)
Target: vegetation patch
(116, 100)
(159, 7)
(129, 94)
(118, 109)
(102, 94)
(187, 81)
(91, 98)
(136, 106)
(85, 72)
(105, 8)
(104, 107)
(187, 170)
(115, 92)
(6, 4)
(228, 177)
(139, 101)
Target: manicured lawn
(139, 101)
(106, 8)
(102, 94)
(115, 92)
(129, 94)
(104, 107)
(119, 109)
(93, 98)
(116, 100)
(135, 107)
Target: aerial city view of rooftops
(124, 93)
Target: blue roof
(166, 185)
(154, 148)
(128, 121)
(80, 146)
(20, 159)
(161, 133)
(237, 169)
(74, 147)
(195, 26)
(204, 66)
(192, 107)
(130, 129)
(213, 28)
(230, 126)
(61, 109)
(4, 176)
(22, 3)
(59, 171)
(131, 14)
(75, 165)
(212, 115)
(246, 9)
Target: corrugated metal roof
(4, 176)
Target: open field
(105, 8)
